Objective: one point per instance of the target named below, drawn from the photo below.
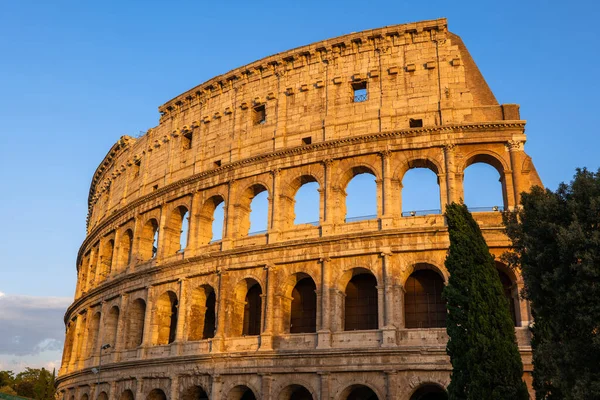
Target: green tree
(7, 378)
(482, 344)
(556, 241)
(35, 383)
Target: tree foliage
(32, 382)
(556, 241)
(482, 345)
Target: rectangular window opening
(359, 91)
(260, 115)
(307, 140)
(186, 141)
(218, 163)
(155, 187)
(136, 168)
(415, 123)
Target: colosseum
(178, 295)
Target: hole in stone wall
(186, 140)
(259, 115)
(415, 123)
(307, 140)
(359, 90)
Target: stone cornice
(115, 216)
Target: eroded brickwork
(330, 310)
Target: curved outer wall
(214, 144)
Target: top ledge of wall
(296, 55)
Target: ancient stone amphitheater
(340, 308)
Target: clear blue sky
(76, 75)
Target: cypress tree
(556, 242)
(482, 344)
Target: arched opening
(135, 324)
(194, 393)
(295, 392)
(421, 189)
(361, 196)
(202, 313)
(111, 326)
(156, 394)
(176, 231)
(218, 223)
(359, 392)
(484, 188)
(253, 311)
(85, 397)
(93, 334)
(307, 201)
(361, 309)
(303, 313)
(509, 290)
(106, 259)
(165, 318)
(258, 211)
(241, 392)
(125, 247)
(423, 304)
(102, 396)
(149, 240)
(429, 392)
(126, 395)
(212, 220)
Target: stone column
(274, 219)
(139, 392)
(392, 384)
(324, 329)
(181, 317)
(229, 231)
(266, 336)
(266, 384)
(194, 224)
(216, 387)
(174, 387)
(147, 339)
(387, 208)
(74, 356)
(453, 181)
(327, 199)
(389, 328)
(221, 306)
(113, 391)
(162, 242)
(101, 326)
(325, 385)
(120, 337)
(115, 268)
(515, 149)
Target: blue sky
(75, 76)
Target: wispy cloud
(30, 326)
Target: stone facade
(331, 310)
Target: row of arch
(429, 391)
(253, 213)
(423, 308)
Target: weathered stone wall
(214, 145)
